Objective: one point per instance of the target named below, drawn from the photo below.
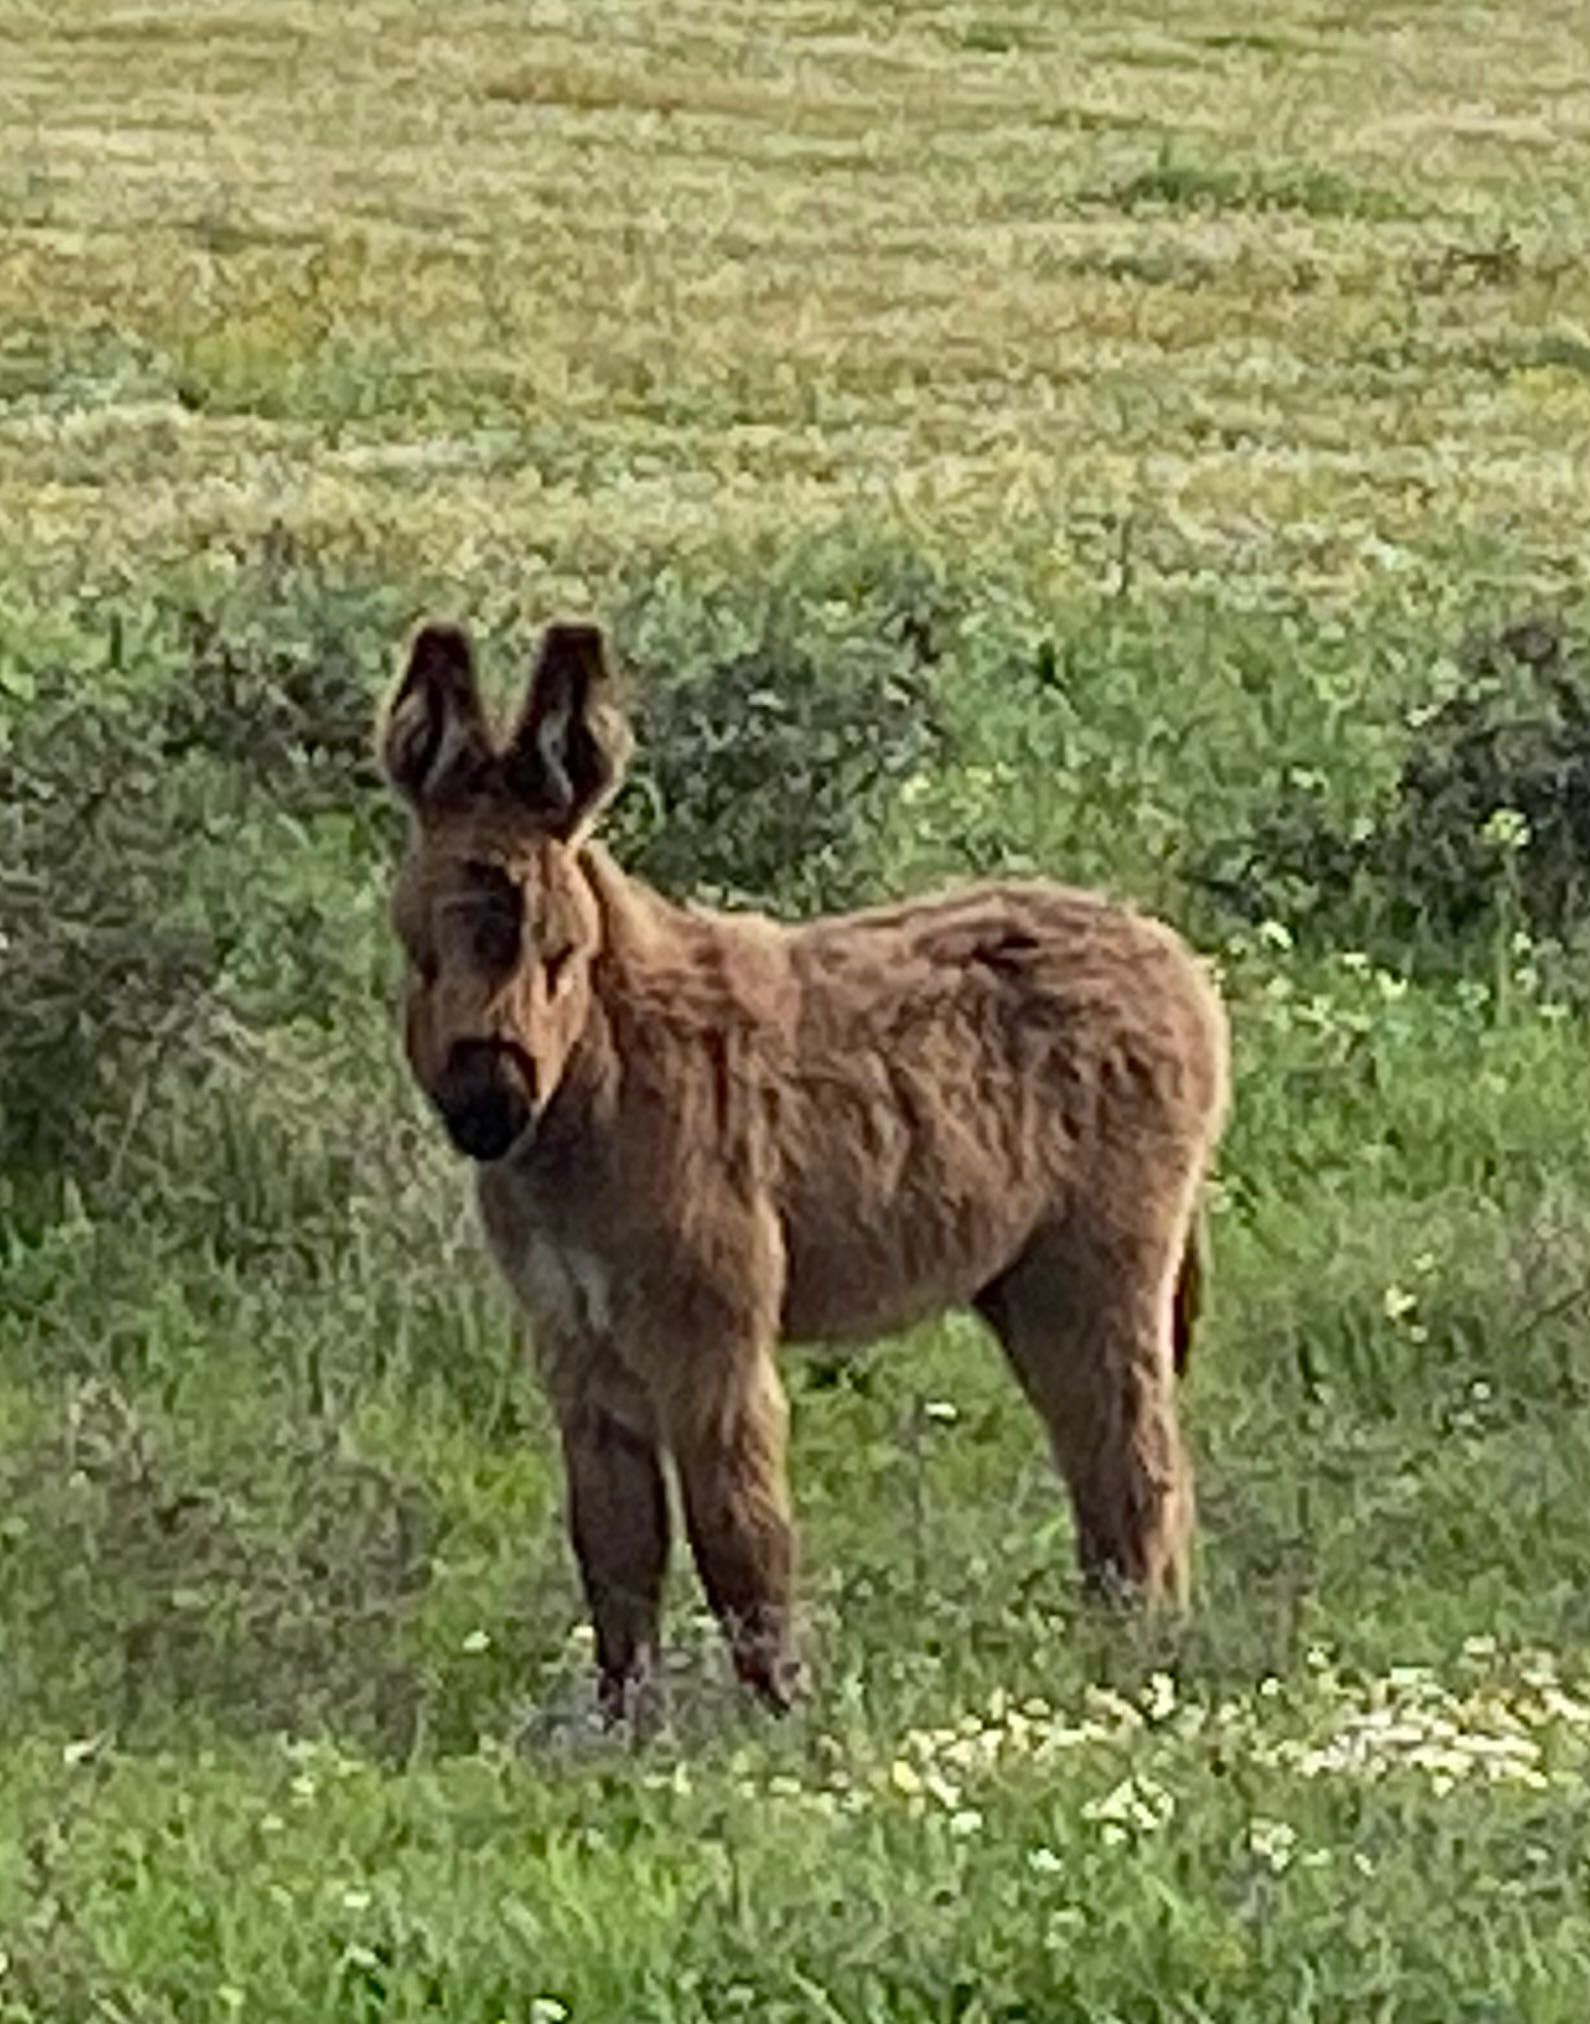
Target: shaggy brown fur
(699, 1133)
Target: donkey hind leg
(618, 1520)
(1088, 1320)
(729, 1448)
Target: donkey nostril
(486, 1131)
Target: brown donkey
(699, 1133)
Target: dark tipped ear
(434, 739)
(567, 756)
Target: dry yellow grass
(433, 280)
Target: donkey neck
(674, 992)
(640, 928)
(670, 973)
(643, 941)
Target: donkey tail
(1191, 1280)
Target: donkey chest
(565, 1287)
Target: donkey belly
(909, 1181)
(881, 1267)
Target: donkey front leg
(618, 1519)
(729, 1448)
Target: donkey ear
(566, 758)
(434, 739)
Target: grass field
(1125, 442)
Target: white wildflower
(1274, 1842)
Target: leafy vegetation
(1487, 823)
(1142, 449)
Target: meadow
(1142, 444)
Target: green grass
(1136, 415)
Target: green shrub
(1488, 819)
(106, 969)
(135, 918)
(777, 719)
(766, 776)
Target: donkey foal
(697, 1134)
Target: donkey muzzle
(485, 1098)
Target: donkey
(697, 1134)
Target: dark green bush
(105, 968)
(1489, 813)
(132, 913)
(767, 775)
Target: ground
(1126, 427)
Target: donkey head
(497, 920)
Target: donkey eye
(495, 911)
(497, 938)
